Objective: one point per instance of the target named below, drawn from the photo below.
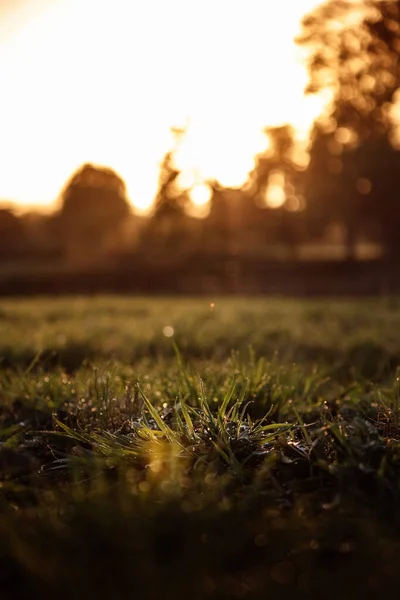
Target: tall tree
(279, 162)
(13, 240)
(354, 49)
(170, 199)
(167, 230)
(93, 206)
(336, 188)
(353, 54)
(277, 157)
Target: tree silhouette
(380, 166)
(280, 224)
(166, 230)
(170, 199)
(170, 227)
(13, 242)
(354, 50)
(278, 157)
(333, 189)
(221, 229)
(94, 205)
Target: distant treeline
(337, 198)
(320, 209)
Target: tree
(353, 170)
(170, 199)
(166, 230)
(358, 65)
(13, 242)
(94, 206)
(279, 163)
(380, 167)
(277, 157)
(171, 229)
(333, 182)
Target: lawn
(194, 448)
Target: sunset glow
(95, 81)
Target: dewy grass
(191, 470)
(191, 433)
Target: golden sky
(103, 81)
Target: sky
(103, 82)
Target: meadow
(199, 448)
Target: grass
(256, 451)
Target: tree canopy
(353, 54)
(93, 201)
(94, 206)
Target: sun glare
(90, 81)
(200, 194)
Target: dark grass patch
(147, 545)
(69, 357)
(201, 472)
(122, 495)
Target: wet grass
(256, 451)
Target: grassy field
(221, 448)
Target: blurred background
(199, 147)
